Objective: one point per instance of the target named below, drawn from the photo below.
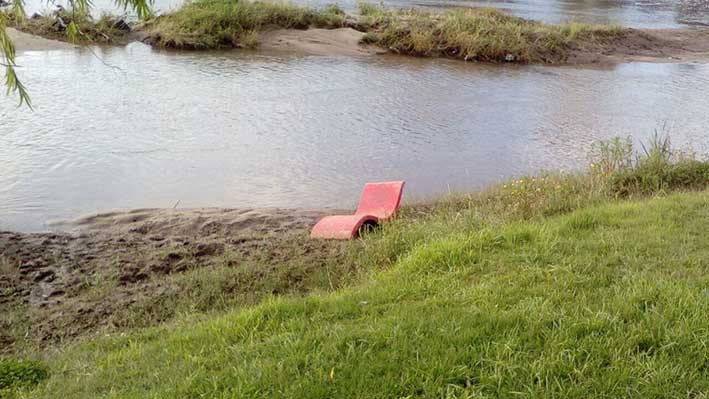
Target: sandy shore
(343, 41)
(27, 42)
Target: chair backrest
(380, 199)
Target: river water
(121, 128)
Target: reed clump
(214, 24)
(481, 34)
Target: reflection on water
(634, 13)
(241, 130)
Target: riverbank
(471, 34)
(599, 302)
(138, 268)
(128, 270)
(591, 278)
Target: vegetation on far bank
(468, 33)
(74, 27)
(482, 34)
(213, 24)
(576, 285)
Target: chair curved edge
(381, 199)
(340, 227)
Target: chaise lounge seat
(379, 202)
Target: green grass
(658, 169)
(546, 286)
(16, 375)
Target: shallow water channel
(134, 127)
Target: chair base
(341, 227)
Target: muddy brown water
(133, 127)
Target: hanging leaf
(14, 85)
(7, 59)
(18, 10)
(73, 33)
(143, 8)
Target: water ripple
(241, 129)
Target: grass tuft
(19, 374)
(660, 169)
(211, 24)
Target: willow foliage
(12, 83)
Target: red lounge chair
(379, 202)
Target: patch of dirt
(666, 45)
(62, 285)
(343, 41)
